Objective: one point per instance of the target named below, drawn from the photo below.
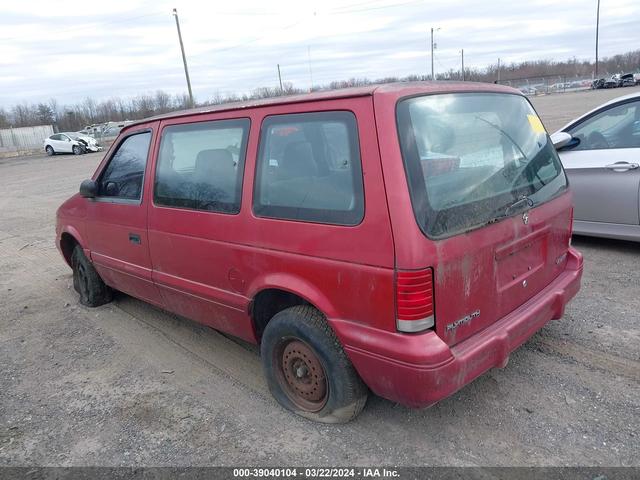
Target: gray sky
(72, 49)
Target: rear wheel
(77, 150)
(49, 150)
(86, 281)
(307, 369)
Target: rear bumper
(420, 370)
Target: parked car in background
(602, 161)
(88, 143)
(611, 82)
(626, 80)
(401, 238)
(70, 142)
(527, 90)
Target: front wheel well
(269, 302)
(67, 244)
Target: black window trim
(265, 123)
(595, 113)
(243, 151)
(127, 201)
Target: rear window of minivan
(474, 158)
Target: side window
(617, 127)
(309, 169)
(200, 165)
(124, 174)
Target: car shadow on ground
(612, 244)
(241, 361)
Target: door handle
(135, 239)
(622, 166)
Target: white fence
(23, 139)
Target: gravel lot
(127, 384)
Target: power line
(249, 42)
(381, 7)
(93, 25)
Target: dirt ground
(127, 384)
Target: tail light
(414, 300)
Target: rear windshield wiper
(505, 211)
(521, 202)
(505, 134)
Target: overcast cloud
(69, 50)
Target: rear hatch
(490, 196)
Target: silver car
(600, 152)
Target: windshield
(473, 158)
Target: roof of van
(398, 87)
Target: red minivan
(402, 238)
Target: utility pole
(184, 58)
(433, 46)
(280, 79)
(462, 53)
(310, 72)
(498, 70)
(597, 28)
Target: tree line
(89, 111)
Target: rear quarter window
(309, 169)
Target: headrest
(215, 158)
(298, 161)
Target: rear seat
(298, 182)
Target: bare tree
(24, 115)
(89, 111)
(181, 102)
(162, 102)
(4, 118)
(45, 114)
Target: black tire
(49, 150)
(86, 281)
(77, 150)
(344, 394)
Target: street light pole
(462, 53)
(184, 58)
(432, 77)
(433, 46)
(280, 79)
(597, 28)
(310, 72)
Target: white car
(69, 142)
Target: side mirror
(88, 189)
(561, 139)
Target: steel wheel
(301, 375)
